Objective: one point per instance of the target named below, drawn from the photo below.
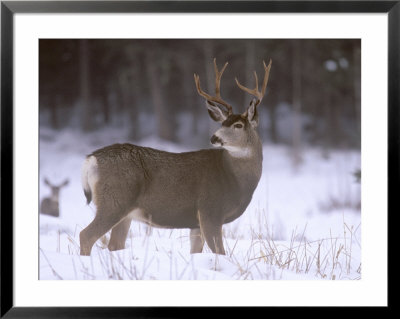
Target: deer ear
(252, 113)
(216, 113)
(65, 183)
(46, 181)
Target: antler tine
(218, 75)
(255, 76)
(217, 98)
(199, 90)
(255, 92)
(266, 76)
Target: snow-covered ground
(302, 223)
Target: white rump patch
(90, 175)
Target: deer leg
(101, 224)
(119, 234)
(196, 241)
(212, 232)
(213, 236)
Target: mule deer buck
(199, 190)
(50, 205)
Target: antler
(258, 94)
(217, 98)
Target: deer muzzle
(215, 140)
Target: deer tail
(89, 177)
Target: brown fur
(199, 190)
(171, 188)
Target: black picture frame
(9, 8)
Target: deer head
(55, 189)
(237, 130)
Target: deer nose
(215, 139)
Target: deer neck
(245, 164)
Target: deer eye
(238, 125)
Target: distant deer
(50, 205)
(199, 190)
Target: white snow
(303, 223)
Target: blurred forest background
(147, 87)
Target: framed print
(163, 155)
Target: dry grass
(260, 257)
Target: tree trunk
(357, 89)
(128, 103)
(132, 105)
(272, 121)
(86, 110)
(188, 86)
(105, 106)
(208, 53)
(54, 112)
(249, 68)
(164, 119)
(327, 121)
(296, 100)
